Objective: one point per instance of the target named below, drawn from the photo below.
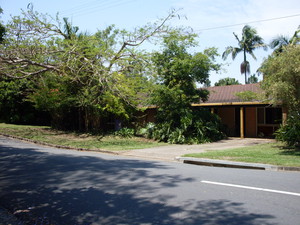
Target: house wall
(230, 117)
(252, 127)
(227, 115)
(250, 122)
(147, 116)
(151, 113)
(269, 120)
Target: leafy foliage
(146, 131)
(282, 78)
(227, 81)
(79, 76)
(247, 95)
(125, 132)
(281, 84)
(2, 29)
(280, 42)
(199, 126)
(290, 132)
(13, 105)
(253, 79)
(178, 72)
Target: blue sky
(206, 17)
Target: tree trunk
(86, 122)
(245, 62)
(79, 119)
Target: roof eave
(229, 103)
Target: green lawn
(274, 154)
(78, 140)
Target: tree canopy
(2, 29)
(252, 79)
(178, 72)
(89, 81)
(78, 76)
(227, 81)
(281, 84)
(282, 78)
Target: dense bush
(198, 127)
(290, 132)
(125, 132)
(14, 107)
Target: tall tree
(253, 79)
(178, 71)
(88, 73)
(2, 29)
(282, 78)
(69, 30)
(280, 42)
(281, 84)
(247, 44)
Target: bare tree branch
(140, 40)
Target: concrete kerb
(232, 164)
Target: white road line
(251, 188)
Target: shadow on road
(45, 188)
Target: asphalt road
(54, 186)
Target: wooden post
(284, 115)
(242, 122)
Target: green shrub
(125, 132)
(146, 131)
(200, 126)
(290, 132)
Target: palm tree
(281, 41)
(69, 30)
(253, 79)
(249, 42)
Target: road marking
(251, 188)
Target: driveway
(170, 152)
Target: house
(241, 118)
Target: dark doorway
(237, 119)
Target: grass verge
(77, 140)
(273, 153)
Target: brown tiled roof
(224, 94)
